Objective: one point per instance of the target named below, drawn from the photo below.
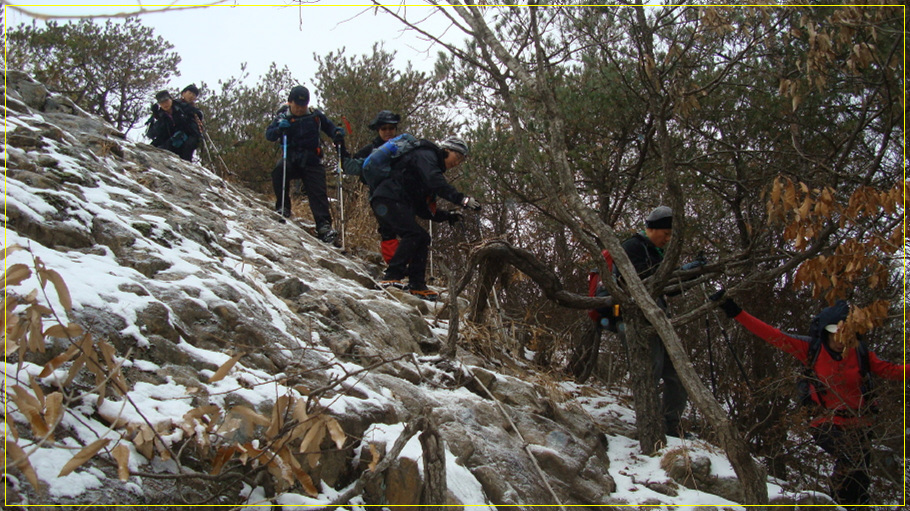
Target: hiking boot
(397, 284)
(286, 212)
(326, 234)
(424, 294)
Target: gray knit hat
(660, 218)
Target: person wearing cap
(417, 179)
(646, 251)
(302, 125)
(187, 100)
(386, 127)
(843, 415)
(172, 127)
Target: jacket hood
(828, 316)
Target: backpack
(596, 288)
(809, 379)
(378, 165)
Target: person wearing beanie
(646, 251)
(838, 369)
(187, 101)
(302, 125)
(417, 178)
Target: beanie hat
(192, 88)
(455, 144)
(660, 218)
(162, 95)
(300, 95)
(829, 316)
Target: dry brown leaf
(63, 292)
(58, 361)
(11, 249)
(225, 368)
(255, 418)
(53, 408)
(223, 456)
(122, 455)
(278, 412)
(336, 432)
(376, 457)
(15, 274)
(39, 394)
(84, 455)
(20, 459)
(313, 437)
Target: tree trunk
(434, 469)
(648, 417)
(584, 354)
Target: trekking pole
(217, 152)
(432, 273)
(340, 195)
(284, 171)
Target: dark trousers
(675, 396)
(852, 452)
(313, 178)
(410, 259)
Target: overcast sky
(214, 41)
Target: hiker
(172, 127)
(417, 178)
(302, 125)
(645, 250)
(386, 127)
(188, 97)
(835, 380)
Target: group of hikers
(416, 178)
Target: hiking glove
(727, 305)
(453, 217)
(339, 136)
(470, 203)
(284, 124)
(692, 265)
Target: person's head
(659, 226)
(164, 100)
(386, 125)
(456, 151)
(298, 100)
(829, 325)
(190, 93)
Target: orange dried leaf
(335, 432)
(122, 456)
(20, 460)
(84, 455)
(63, 292)
(225, 368)
(313, 437)
(58, 361)
(376, 457)
(15, 274)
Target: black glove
(727, 305)
(178, 139)
(338, 138)
(453, 217)
(470, 203)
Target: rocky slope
(221, 357)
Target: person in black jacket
(386, 127)
(172, 127)
(187, 100)
(645, 250)
(411, 190)
(302, 125)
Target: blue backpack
(378, 165)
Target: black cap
(192, 88)
(660, 218)
(384, 117)
(162, 95)
(300, 95)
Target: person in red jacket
(841, 426)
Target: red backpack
(596, 288)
